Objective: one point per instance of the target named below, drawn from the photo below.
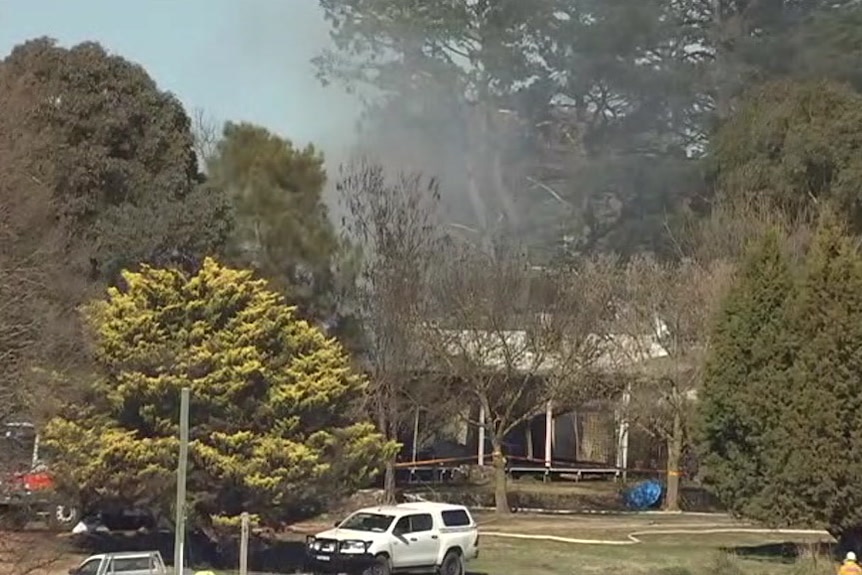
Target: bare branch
(392, 223)
(517, 336)
(207, 132)
(663, 319)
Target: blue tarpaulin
(644, 495)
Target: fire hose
(633, 538)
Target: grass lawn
(657, 553)
(668, 554)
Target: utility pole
(243, 545)
(180, 522)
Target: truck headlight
(353, 547)
(310, 541)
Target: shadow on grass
(264, 554)
(787, 552)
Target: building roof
(515, 350)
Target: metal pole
(243, 546)
(180, 522)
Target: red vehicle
(26, 486)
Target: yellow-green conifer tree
(271, 401)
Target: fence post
(243, 546)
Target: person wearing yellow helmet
(850, 566)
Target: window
(414, 524)
(403, 525)
(455, 518)
(91, 567)
(374, 522)
(17, 446)
(419, 523)
(121, 564)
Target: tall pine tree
(746, 368)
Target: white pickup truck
(422, 537)
(128, 563)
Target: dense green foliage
(782, 393)
(746, 380)
(819, 442)
(281, 225)
(116, 153)
(794, 144)
(271, 430)
(97, 174)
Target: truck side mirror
(336, 524)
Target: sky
(240, 60)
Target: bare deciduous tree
(207, 133)
(392, 222)
(733, 224)
(664, 320)
(516, 337)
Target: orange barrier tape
(558, 465)
(426, 462)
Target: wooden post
(481, 448)
(182, 465)
(243, 545)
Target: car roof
(131, 554)
(387, 509)
(412, 507)
(429, 505)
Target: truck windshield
(375, 522)
(17, 444)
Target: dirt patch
(35, 553)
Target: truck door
(416, 542)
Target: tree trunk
(383, 423)
(501, 496)
(674, 460)
(389, 482)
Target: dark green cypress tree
(750, 355)
(818, 444)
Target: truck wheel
(63, 515)
(380, 566)
(452, 564)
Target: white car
(422, 537)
